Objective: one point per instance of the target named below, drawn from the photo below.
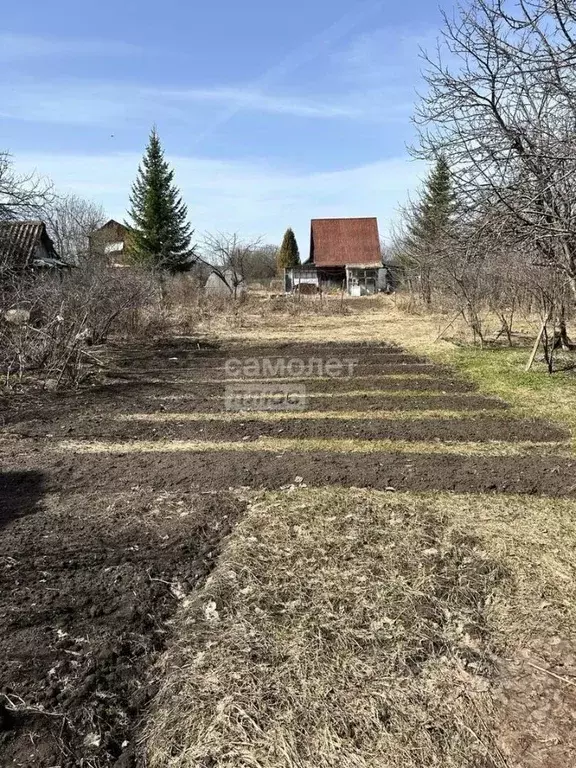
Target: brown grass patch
(312, 445)
(364, 629)
(332, 639)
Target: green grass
(533, 394)
(496, 371)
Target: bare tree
(71, 220)
(21, 195)
(501, 106)
(229, 257)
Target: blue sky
(272, 113)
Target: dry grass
(330, 639)
(246, 416)
(356, 628)
(312, 445)
(387, 393)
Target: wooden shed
(26, 245)
(344, 253)
(112, 240)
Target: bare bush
(63, 316)
(230, 258)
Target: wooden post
(536, 345)
(442, 332)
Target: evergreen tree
(429, 226)
(160, 233)
(431, 217)
(288, 255)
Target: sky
(271, 113)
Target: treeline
(494, 231)
(161, 240)
(52, 318)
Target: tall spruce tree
(429, 226)
(161, 233)
(288, 255)
(431, 216)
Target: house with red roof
(344, 254)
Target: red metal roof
(341, 242)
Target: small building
(27, 246)
(111, 240)
(226, 283)
(344, 254)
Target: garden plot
(115, 503)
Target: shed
(26, 245)
(344, 253)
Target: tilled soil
(482, 429)
(211, 470)
(97, 550)
(211, 372)
(211, 387)
(87, 584)
(62, 415)
(374, 401)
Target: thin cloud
(243, 99)
(82, 103)
(15, 46)
(303, 54)
(249, 197)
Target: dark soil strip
(340, 385)
(428, 430)
(550, 476)
(84, 600)
(299, 347)
(365, 403)
(179, 351)
(63, 415)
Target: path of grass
(310, 445)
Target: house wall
(111, 241)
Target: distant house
(344, 253)
(26, 245)
(111, 240)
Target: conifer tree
(431, 217)
(161, 233)
(429, 226)
(288, 255)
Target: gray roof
(19, 241)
